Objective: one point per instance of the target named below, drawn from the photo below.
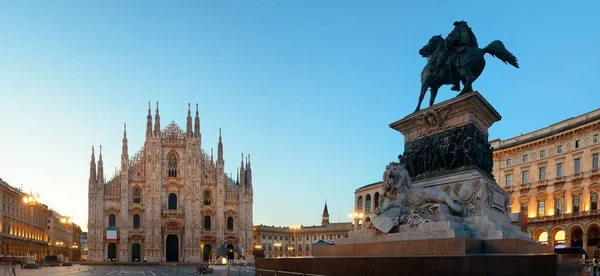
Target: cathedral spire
(100, 176)
(242, 172)
(92, 168)
(220, 148)
(248, 174)
(325, 220)
(188, 128)
(197, 123)
(157, 122)
(124, 154)
(149, 122)
(212, 160)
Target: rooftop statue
(457, 59)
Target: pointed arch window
(207, 198)
(172, 165)
(137, 195)
(206, 222)
(229, 223)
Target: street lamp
(66, 221)
(356, 216)
(294, 227)
(31, 200)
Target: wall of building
(16, 233)
(552, 175)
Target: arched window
(172, 201)
(307, 248)
(207, 222)
(137, 195)
(172, 166)
(524, 208)
(541, 208)
(229, 223)
(359, 203)
(112, 220)
(269, 248)
(300, 248)
(376, 200)
(594, 201)
(207, 197)
(136, 221)
(558, 206)
(575, 204)
(368, 205)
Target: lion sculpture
(400, 199)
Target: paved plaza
(121, 270)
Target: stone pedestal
(446, 148)
(448, 137)
(447, 162)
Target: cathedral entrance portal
(230, 253)
(207, 249)
(112, 252)
(172, 248)
(135, 252)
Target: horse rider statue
(460, 38)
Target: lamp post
(294, 228)
(66, 221)
(277, 245)
(356, 216)
(31, 201)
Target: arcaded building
(552, 175)
(286, 241)
(171, 201)
(366, 200)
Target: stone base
(458, 256)
(467, 265)
(485, 214)
(433, 247)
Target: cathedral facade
(170, 202)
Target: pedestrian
(14, 266)
(595, 266)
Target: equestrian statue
(457, 59)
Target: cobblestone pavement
(118, 271)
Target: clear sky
(308, 88)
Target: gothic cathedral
(171, 202)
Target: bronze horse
(467, 66)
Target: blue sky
(308, 88)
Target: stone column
(584, 238)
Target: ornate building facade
(366, 200)
(278, 241)
(170, 202)
(18, 231)
(552, 175)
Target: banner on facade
(111, 234)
